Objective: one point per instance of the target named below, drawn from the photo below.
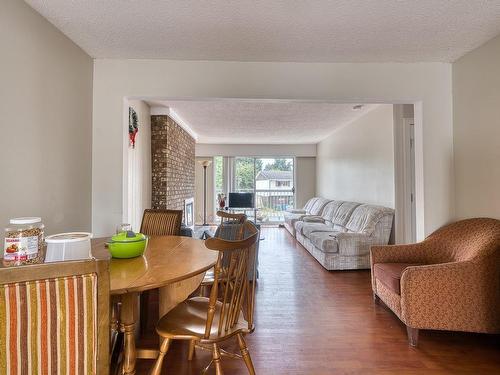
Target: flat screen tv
(241, 200)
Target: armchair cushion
(390, 274)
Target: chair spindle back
(236, 287)
(161, 222)
(230, 218)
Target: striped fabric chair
(157, 223)
(54, 318)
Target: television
(241, 200)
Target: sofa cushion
(310, 203)
(390, 274)
(313, 219)
(309, 228)
(296, 211)
(365, 217)
(330, 209)
(325, 241)
(343, 214)
(290, 218)
(299, 225)
(318, 206)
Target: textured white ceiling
(257, 121)
(276, 30)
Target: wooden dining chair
(231, 217)
(230, 228)
(54, 318)
(157, 223)
(161, 222)
(207, 322)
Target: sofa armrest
(297, 211)
(353, 243)
(313, 219)
(452, 296)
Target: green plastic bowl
(127, 245)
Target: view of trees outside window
(245, 173)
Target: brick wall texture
(173, 163)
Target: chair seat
(390, 274)
(188, 321)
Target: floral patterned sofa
(340, 239)
(449, 281)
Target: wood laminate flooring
(314, 322)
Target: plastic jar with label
(23, 242)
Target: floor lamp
(205, 164)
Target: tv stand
(244, 210)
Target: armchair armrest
(453, 296)
(297, 211)
(411, 253)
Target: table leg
(173, 294)
(128, 317)
(116, 343)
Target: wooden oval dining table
(175, 265)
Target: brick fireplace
(173, 163)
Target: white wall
(305, 180)
(262, 150)
(356, 163)
(404, 173)
(426, 84)
(476, 107)
(139, 166)
(46, 122)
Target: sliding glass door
(271, 180)
(274, 188)
(244, 175)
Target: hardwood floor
(311, 321)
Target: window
(269, 179)
(283, 183)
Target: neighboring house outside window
(274, 190)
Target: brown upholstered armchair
(449, 281)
